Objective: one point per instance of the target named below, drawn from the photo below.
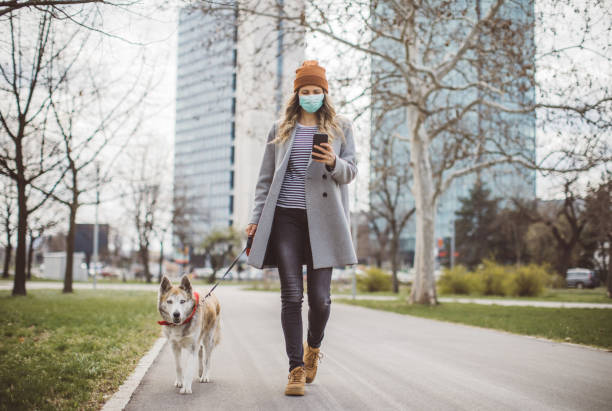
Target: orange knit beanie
(310, 73)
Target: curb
(120, 399)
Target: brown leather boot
(311, 359)
(297, 378)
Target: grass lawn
(590, 326)
(71, 351)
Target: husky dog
(190, 324)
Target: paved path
(37, 285)
(376, 360)
(525, 303)
(56, 285)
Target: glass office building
(505, 180)
(224, 109)
(205, 120)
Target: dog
(189, 323)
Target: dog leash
(247, 249)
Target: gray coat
(327, 201)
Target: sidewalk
(525, 303)
(378, 360)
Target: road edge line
(123, 395)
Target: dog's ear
(185, 284)
(165, 285)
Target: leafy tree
(220, 246)
(476, 225)
(598, 214)
(512, 225)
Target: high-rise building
(232, 81)
(504, 180)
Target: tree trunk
(68, 273)
(394, 264)
(609, 271)
(424, 285)
(144, 259)
(565, 259)
(30, 254)
(213, 277)
(609, 281)
(19, 286)
(8, 252)
(161, 260)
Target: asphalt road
(376, 360)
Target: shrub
(374, 279)
(458, 280)
(528, 280)
(492, 278)
(557, 281)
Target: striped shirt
(293, 193)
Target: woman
(301, 214)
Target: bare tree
(148, 191)
(598, 213)
(566, 222)
(7, 7)
(29, 154)
(382, 235)
(463, 75)
(85, 136)
(7, 214)
(187, 217)
(37, 227)
(66, 110)
(388, 184)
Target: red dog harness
(195, 307)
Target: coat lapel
(285, 149)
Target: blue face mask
(311, 102)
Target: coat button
(324, 194)
(324, 175)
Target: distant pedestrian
(301, 214)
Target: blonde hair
(326, 118)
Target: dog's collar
(188, 319)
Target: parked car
(581, 278)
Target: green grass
(590, 326)
(71, 351)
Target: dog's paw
(178, 384)
(186, 390)
(205, 379)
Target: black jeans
(291, 242)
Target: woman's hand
(250, 230)
(326, 155)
